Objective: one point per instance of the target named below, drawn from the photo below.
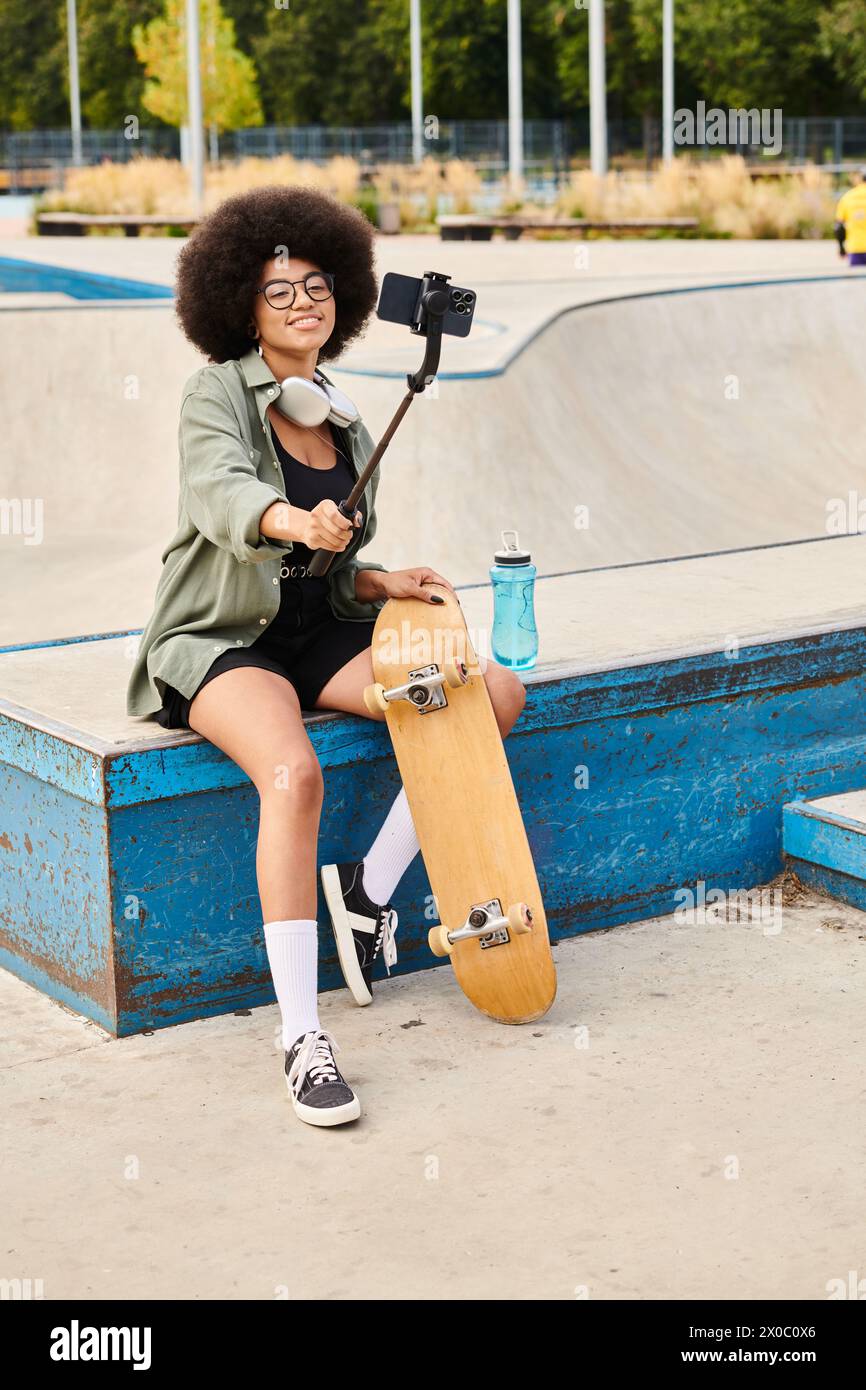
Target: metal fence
(837, 140)
(38, 158)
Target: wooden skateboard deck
(473, 841)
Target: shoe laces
(385, 937)
(314, 1058)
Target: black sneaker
(362, 928)
(320, 1095)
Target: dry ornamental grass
(720, 193)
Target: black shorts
(308, 660)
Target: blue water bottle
(515, 636)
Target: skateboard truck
(485, 923)
(425, 688)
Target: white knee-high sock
(293, 956)
(392, 852)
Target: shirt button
(217, 649)
(272, 390)
(275, 581)
(263, 622)
(239, 642)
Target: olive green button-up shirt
(220, 583)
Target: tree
(229, 89)
(466, 64)
(843, 39)
(112, 81)
(364, 50)
(633, 76)
(32, 47)
(344, 66)
(34, 69)
(250, 20)
(739, 53)
(346, 62)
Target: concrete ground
(687, 1122)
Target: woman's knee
(255, 717)
(507, 693)
(293, 775)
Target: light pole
(597, 93)
(194, 105)
(417, 87)
(74, 91)
(515, 98)
(667, 80)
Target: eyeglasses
(280, 294)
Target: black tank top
(302, 595)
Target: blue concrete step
(825, 843)
(127, 852)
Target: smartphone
(399, 303)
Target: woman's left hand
(410, 584)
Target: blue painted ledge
(127, 875)
(827, 850)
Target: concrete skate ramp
(628, 430)
(682, 423)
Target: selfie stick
(430, 309)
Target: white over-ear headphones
(313, 402)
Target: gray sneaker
(320, 1095)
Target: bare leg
(345, 691)
(255, 718)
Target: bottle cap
(511, 553)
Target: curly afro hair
(220, 266)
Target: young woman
(242, 638)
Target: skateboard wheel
(437, 940)
(455, 673)
(519, 918)
(374, 698)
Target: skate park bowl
(684, 466)
(647, 427)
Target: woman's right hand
(326, 528)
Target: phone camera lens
(462, 301)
